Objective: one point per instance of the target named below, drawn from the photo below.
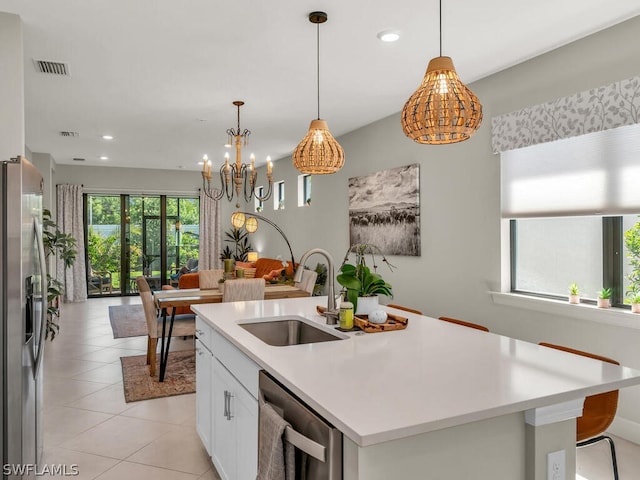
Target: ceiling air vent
(78, 159)
(52, 68)
(69, 134)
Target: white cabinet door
(204, 364)
(235, 434)
(224, 431)
(246, 411)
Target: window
(304, 190)
(278, 198)
(132, 235)
(570, 203)
(258, 204)
(547, 254)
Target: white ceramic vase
(366, 305)
(604, 302)
(635, 307)
(574, 299)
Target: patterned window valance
(601, 108)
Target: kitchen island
(435, 400)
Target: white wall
(129, 180)
(47, 167)
(460, 203)
(11, 87)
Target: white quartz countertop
(378, 387)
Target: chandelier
(236, 178)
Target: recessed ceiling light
(107, 137)
(103, 157)
(388, 36)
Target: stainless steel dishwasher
(318, 443)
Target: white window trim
(613, 316)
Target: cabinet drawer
(241, 367)
(204, 333)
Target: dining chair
(184, 325)
(406, 309)
(209, 278)
(243, 289)
(598, 411)
(308, 281)
(464, 323)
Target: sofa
(267, 268)
(264, 268)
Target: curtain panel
(70, 220)
(210, 233)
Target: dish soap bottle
(346, 315)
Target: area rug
(127, 320)
(179, 378)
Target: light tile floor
(86, 420)
(88, 423)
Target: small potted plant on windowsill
(604, 298)
(574, 294)
(634, 298)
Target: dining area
(168, 314)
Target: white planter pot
(366, 305)
(635, 308)
(574, 299)
(604, 302)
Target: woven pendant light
(442, 110)
(318, 153)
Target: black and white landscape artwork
(384, 210)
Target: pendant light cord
(318, 65)
(440, 27)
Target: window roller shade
(592, 174)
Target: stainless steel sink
(289, 330)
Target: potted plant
(574, 293)
(635, 302)
(240, 238)
(62, 245)
(362, 285)
(604, 298)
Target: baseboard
(626, 429)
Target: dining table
(165, 299)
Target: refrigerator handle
(44, 294)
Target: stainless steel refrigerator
(23, 284)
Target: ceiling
(161, 75)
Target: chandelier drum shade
(442, 110)
(236, 179)
(319, 153)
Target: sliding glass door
(132, 235)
